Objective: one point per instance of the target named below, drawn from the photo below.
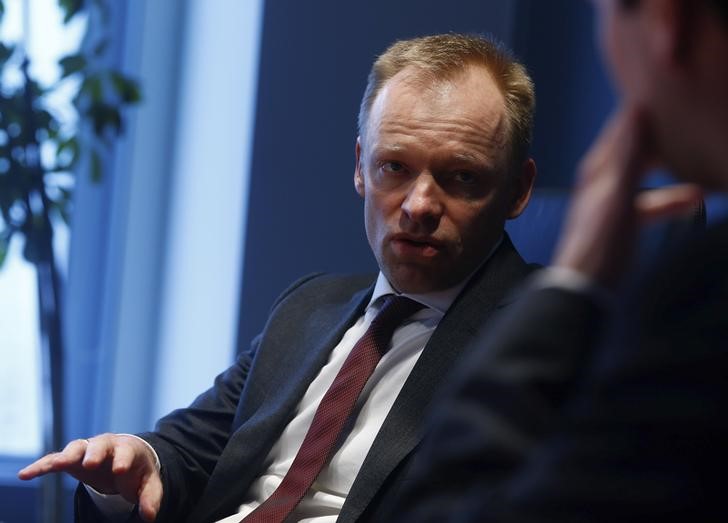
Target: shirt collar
(439, 301)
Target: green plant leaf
(105, 116)
(72, 64)
(26, 123)
(92, 88)
(70, 8)
(127, 89)
(6, 51)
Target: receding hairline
(445, 56)
(426, 80)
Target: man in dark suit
(614, 406)
(441, 162)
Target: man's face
(645, 47)
(619, 36)
(432, 169)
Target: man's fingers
(123, 459)
(132, 467)
(623, 150)
(74, 452)
(110, 463)
(38, 468)
(70, 456)
(150, 497)
(600, 153)
(98, 450)
(666, 202)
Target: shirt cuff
(154, 452)
(570, 280)
(114, 506)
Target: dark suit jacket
(213, 450)
(591, 421)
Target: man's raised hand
(110, 464)
(607, 207)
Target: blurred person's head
(670, 58)
(442, 156)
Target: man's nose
(422, 204)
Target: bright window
(38, 25)
(19, 352)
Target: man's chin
(418, 280)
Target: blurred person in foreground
(631, 425)
(441, 162)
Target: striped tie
(333, 411)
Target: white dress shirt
(323, 501)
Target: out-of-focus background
(234, 176)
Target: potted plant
(39, 156)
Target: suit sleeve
(635, 433)
(644, 438)
(189, 441)
(505, 397)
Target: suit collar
(401, 433)
(286, 381)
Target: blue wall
(557, 42)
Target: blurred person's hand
(598, 237)
(110, 464)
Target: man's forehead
(440, 81)
(459, 109)
(469, 92)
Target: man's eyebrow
(471, 158)
(388, 148)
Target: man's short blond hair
(444, 56)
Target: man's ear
(358, 174)
(522, 188)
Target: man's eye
(464, 177)
(392, 167)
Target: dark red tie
(333, 411)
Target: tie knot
(395, 309)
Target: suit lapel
(401, 431)
(277, 386)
